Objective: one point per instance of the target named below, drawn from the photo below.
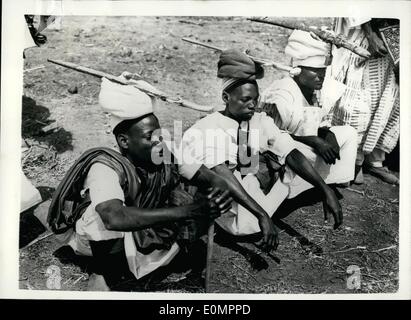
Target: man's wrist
(323, 132)
(195, 208)
(326, 189)
(263, 217)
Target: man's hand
(217, 181)
(331, 204)
(332, 140)
(376, 45)
(213, 204)
(327, 150)
(270, 235)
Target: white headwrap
(123, 102)
(307, 51)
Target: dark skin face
(241, 102)
(138, 143)
(310, 78)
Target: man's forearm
(310, 141)
(322, 132)
(121, 218)
(301, 166)
(237, 191)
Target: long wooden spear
(337, 39)
(150, 91)
(264, 62)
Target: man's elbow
(112, 224)
(110, 213)
(292, 156)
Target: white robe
(213, 141)
(291, 112)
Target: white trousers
(239, 221)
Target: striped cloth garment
(370, 102)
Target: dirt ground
(58, 126)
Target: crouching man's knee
(345, 134)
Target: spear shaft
(338, 39)
(158, 93)
(262, 61)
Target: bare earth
(59, 126)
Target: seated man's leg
(340, 172)
(110, 260)
(239, 221)
(343, 170)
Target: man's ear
(225, 96)
(122, 140)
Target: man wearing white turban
(299, 105)
(119, 207)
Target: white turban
(123, 102)
(307, 51)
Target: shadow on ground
(183, 273)
(257, 260)
(30, 226)
(37, 125)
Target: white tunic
(213, 141)
(290, 110)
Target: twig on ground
(370, 276)
(250, 274)
(35, 68)
(192, 22)
(383, 249)
(350, 249)
(79, 278)
(35, 144)
(67, 281)
(27, 155)
(40, 122)
(27, 144)
(39, 239)
(356, 191)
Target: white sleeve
(279, 105)
(356, 21)
(188, 165)
(278, 142)
(103, 184)
(210, 149)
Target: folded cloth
(307, 51)
(123, 102)
(30, 196)
(235, 67)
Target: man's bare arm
(301, 166)
(328, 151)
(222, 177)
(118, 217)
